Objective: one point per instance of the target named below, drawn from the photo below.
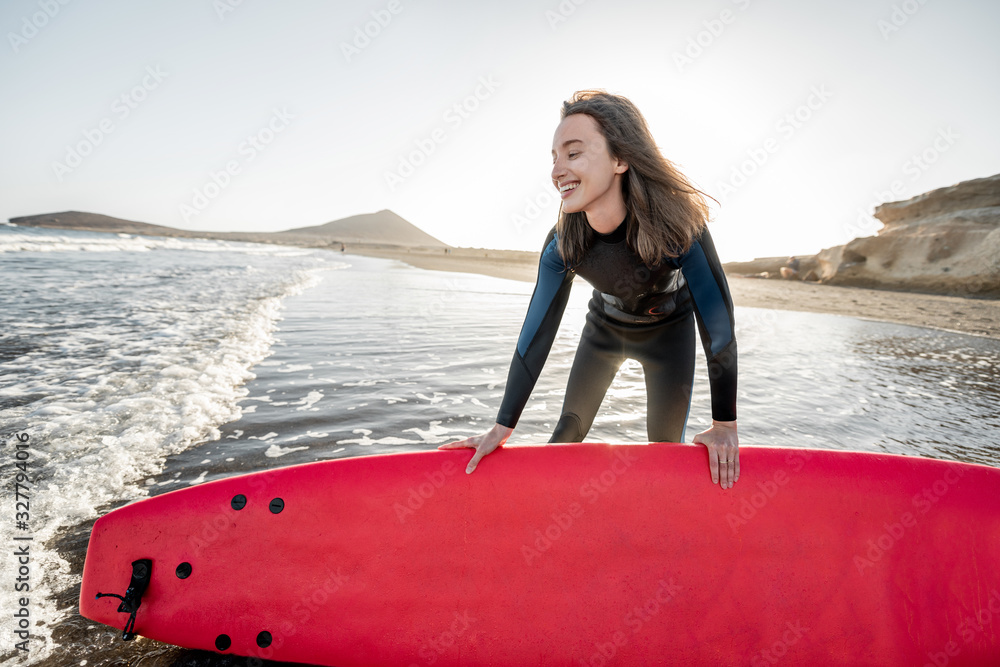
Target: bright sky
(255, 115)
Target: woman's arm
(713, 307)
(548, 302)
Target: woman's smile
(568, 188)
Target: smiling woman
(633, 226)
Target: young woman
(634, 227)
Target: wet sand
(980, 317)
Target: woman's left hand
(723, 452)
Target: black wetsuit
(636, 312)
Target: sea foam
(120, 352)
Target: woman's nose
(557, 170)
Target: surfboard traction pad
(569, 555)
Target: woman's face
(583, 171)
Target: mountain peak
(384, 226)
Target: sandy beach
(979, 317)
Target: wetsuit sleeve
(545, 311)
(713, 307)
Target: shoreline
(975, 316)
(956, 314)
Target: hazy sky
(256, 115)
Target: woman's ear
(621, 166)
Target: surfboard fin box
(142, 571)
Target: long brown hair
(667, 212)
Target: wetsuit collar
(618, 235)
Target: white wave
(123, 370)
(309, 401)
(274, 451)
(54, 240)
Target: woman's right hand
(484, 444)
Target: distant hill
(94, 222)
(381, 228)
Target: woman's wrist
(501, 432)
(732, 424)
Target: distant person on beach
(790, 270)
(634, 227)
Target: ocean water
(137, 366)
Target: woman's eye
(572, 155)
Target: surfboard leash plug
(142, 571)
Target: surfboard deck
(569, 555)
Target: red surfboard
(567, 555)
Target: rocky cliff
(945, 241)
